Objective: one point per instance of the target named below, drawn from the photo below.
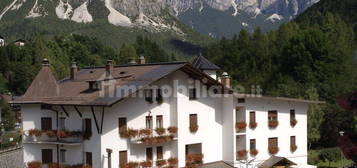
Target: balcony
(148, 136)
(63, 137)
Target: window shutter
(159, 121)
(252, 117)
(292, 141)
(193, 120)
(148, 153)
(272, 115)
(273, 142)
(149, 122)
(292, 114)
(123, 157)
(88, 125)
(46, 124)
(89, 160)
(252, 144)
(122, 123)
(47, 156)
(159, 153)
(192, 94)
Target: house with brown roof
(156, 114)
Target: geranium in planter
(273, 123)
(195, 158)
(50, 133)
(161, 163)
(193, 128)
(253, 125)
(242, 153)
(253, 152)
(172, 161)
(34, 164)
(241, 125)
(273, 150)
(130, 165)
(160, 131)
(133, 133)
(147, 163)
(172, 130)
(34, 133)
(61, 134)
(145, 132)
(293, 122)
(293, 148)
(124, 133)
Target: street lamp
(341, 134)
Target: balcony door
(47, 156)
(123, 157)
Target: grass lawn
(315, 160)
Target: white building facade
(213, 123)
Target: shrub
(172, 130)
(330, 154)
(273, 150)
(293, 122)
(34, 164)
(254, 152)
(161, 163)
(241, 125)
(34, 132)
(160, 131)
(172, 161)
(147, 163)
(253, 125)
(193, 128)
(273, 123)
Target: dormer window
(95, 85)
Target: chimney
(132, 61)
(142, 60)
(45, 63)
(226, 80)
(74, 70)
(109, 67)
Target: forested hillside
(302, 59)
(19, 65)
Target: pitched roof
(275, 161)
(44, 89)
(203, 63)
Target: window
(252, 117)
(159, 98)
(272, 115)
(292, 141)
(63, 155)
(123, 157)
(241, 100)
(47, 156)
(87, 125)
(292, 114)
(148, 95)
(192, 94)
(148, 153)
(193, 123)
(252, 144)
(159, 121)
(62, 122)
(273, 143)
(149, 122)
(89, 160)
(122, 124)
(46, 124)
(159, 153)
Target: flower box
(293, 148)
(273, 123)
(34, 164)
(195, 158)
(172, 161)
(253, 125)
(147, 163)
(145, 132)
(273, 150)
(241, 154)
(193, 128)
(293, 122)
(161, 163)
(241, 125)
(172, 130)
(160, 131)
(253, 152)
